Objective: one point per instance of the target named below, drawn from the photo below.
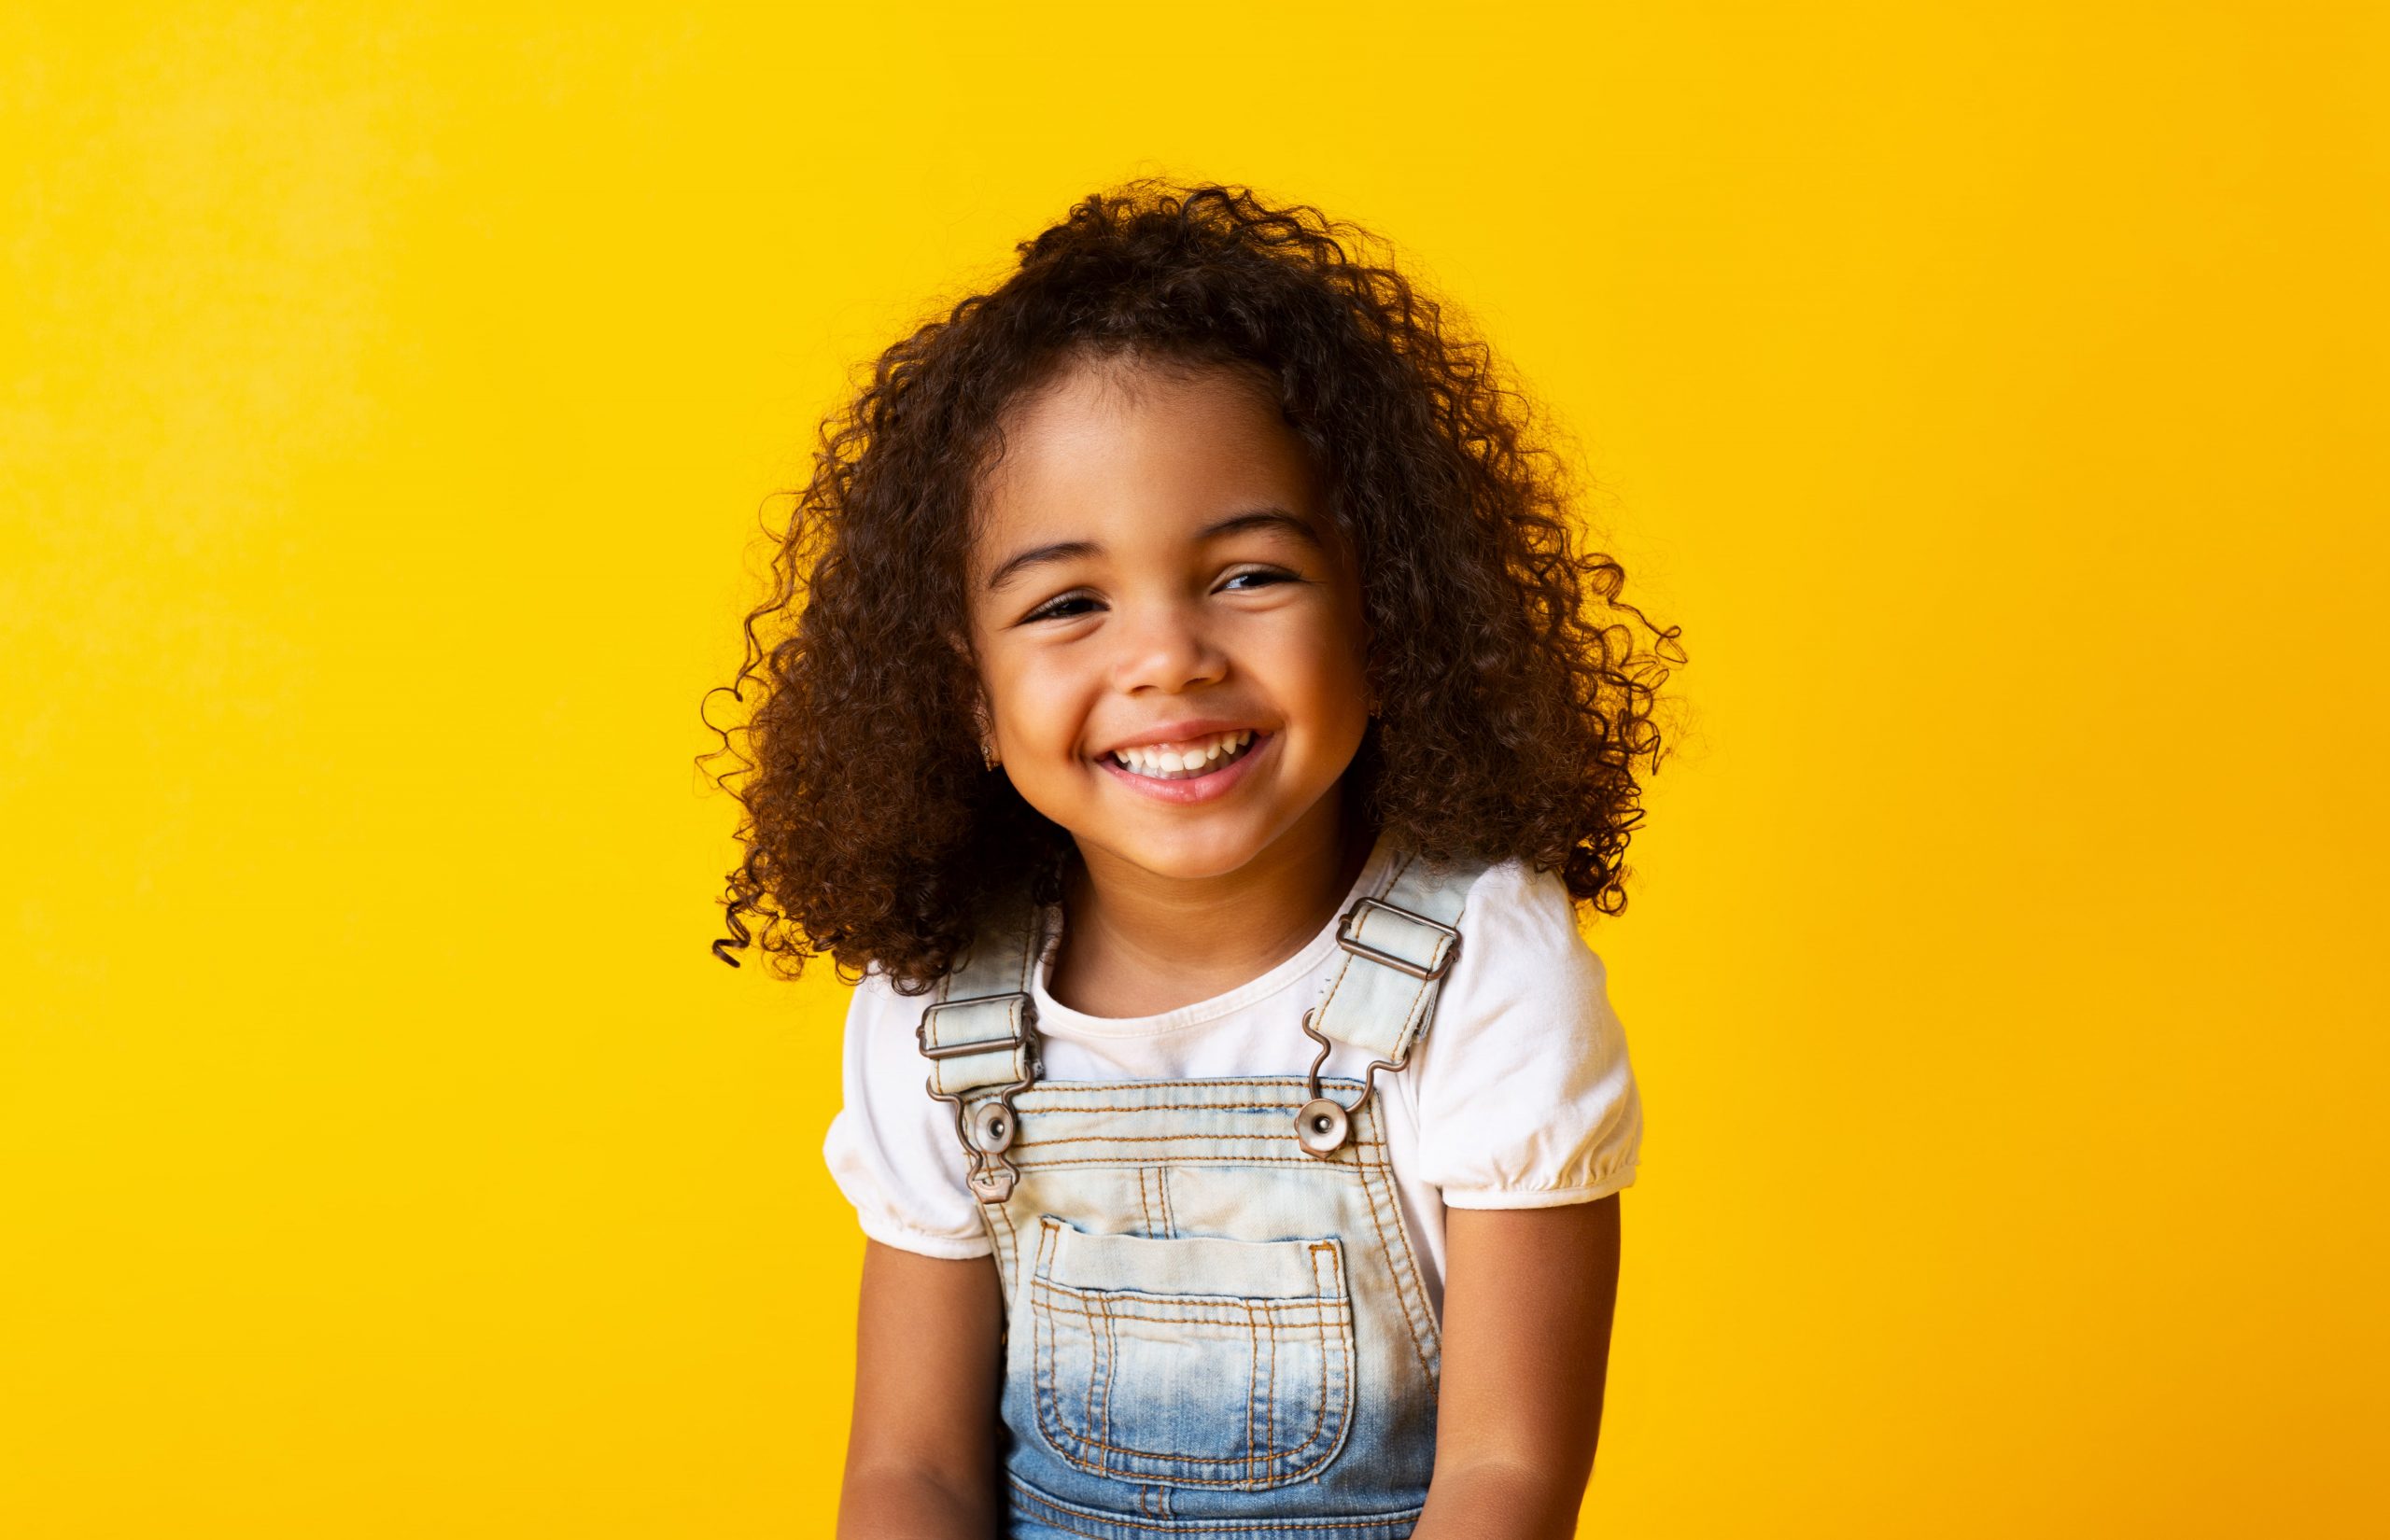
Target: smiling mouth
(1187, 761)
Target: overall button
(1321, 1125)
(992, 1125)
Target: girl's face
(1153, 570)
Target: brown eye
(1265, 576)
(1054, 608)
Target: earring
(986, 753)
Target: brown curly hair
(1515, 706)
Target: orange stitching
(1279, 1322)
(1083, 1087)
(1043, 1367)
(1059, 1095)
(1187, 1526)
(1111, 1362)
(1287, 1313)
(1318, 1324)
(1368, 1194)
(1410, 1280)
(1400, 1262)
(1319, 1417)
(1226, 1301)
(1254, 1481)
(1271, 1137)
(1343, 1341)
(1270, 1394)
(1288, 1105)
(1316, 1249)
(1010, 1271)
(1312, 1161)
(1252, 1372)
(1406, 1268)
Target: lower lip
(1206, 788)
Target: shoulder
(883, 1031)
(890, 1147)
(1525, 1092)
(1519, 919)
(1514, 884)
(1526, 987)
(882, 1049)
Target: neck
(1124, 953)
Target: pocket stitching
(1332, 1326)
(1335, 1354)
(1336, 1360)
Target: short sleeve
(892, 1147)
(1526, 1098)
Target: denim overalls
(1216, 1328)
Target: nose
(1163, 647)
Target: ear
(984, 730)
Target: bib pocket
(1197, 1361)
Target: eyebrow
(1235, 524)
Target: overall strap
(1399, 944)
(980, 1031)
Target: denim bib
(1215, 1324)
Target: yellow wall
(389, 399)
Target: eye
(1063, 607)
(1266, 575)
(1057, 607)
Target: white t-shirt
(1519, 1095)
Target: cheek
(1343, 649)
(1038, 701)
(1322, 675)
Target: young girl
(1196, 735)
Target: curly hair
(1516, 706)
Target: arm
(929, 1367)
(1528, 1297)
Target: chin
(1187, 856)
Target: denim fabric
(1210, 1331)
(1207, 1326)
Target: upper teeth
(1193, 757)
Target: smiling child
(1197, 728)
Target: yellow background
(392, 397)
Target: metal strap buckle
(951, 1050)
(1323, 1124)
(990, 1176)
(1361, 949)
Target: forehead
(1128, 447)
